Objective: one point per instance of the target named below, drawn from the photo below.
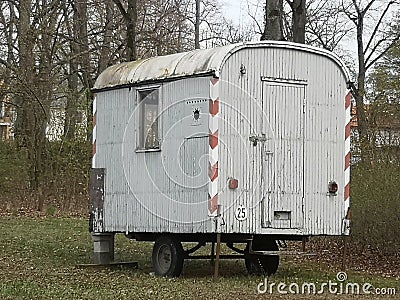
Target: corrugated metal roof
(190, 63)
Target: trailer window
(148, 119)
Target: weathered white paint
(288, 97)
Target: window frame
(140, 112)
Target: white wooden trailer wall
(290, 97)
(145, 192)
(302, 94)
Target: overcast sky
(236, 10)
(232, 8)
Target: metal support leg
(218, 250)
(212, 252)
(216, 270)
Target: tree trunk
(42, 93)
(83, 42)
(299, 21)
(130, 18)
(25, 45)
(131, 30)
(360, 92)
(273, 20)
(10, 48)
(197, 26)
(73, 76)
(105, 50)
(84, 61)
(34, 85)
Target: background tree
(197, 26)
(298, 8)
(383, 93)
(326, 27)
(129, 15)
(273, 20)
(370, 47)
(211, 28)
(278, 16)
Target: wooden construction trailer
(250, 140)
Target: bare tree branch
(364, 11)
(378, 24)
(383, 52)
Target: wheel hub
(164, 258)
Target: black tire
(265, 265)
(167, 257)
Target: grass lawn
(38, 258)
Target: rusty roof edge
(151, 81)
(211, 60)
(108, 78)
(141, 63)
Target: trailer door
(282, 152)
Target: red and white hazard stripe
(213, 150)
(347, 148)
(94, 133)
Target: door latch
(255, 139)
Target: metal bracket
(255, 139)
(194, 249)
(97, 185)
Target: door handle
(255, 139)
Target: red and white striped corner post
(347, 155)
(347, 148)
(213, 147)
(94, 132)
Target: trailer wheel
(265, 265)
(167, 257)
